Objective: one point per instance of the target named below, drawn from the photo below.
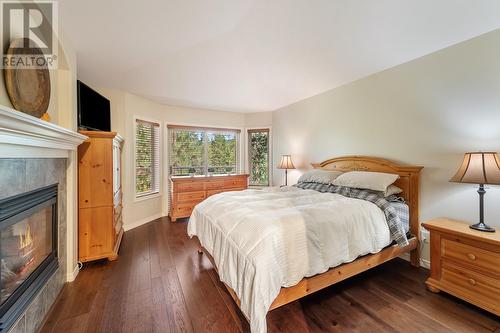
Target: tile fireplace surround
(34, 154)
(22, 175)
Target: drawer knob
(472, 282)
(471, 256)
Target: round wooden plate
(28, 89)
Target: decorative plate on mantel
(28, 89)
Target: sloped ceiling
(260, 55)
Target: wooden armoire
(100, 227)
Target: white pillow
(319, 176)
(392, 189)
(376, 181)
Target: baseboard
(71, 276)
(129, 226)
(423, 262)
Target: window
(203, 151)
(258, 156)
(147, 158)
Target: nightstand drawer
(476, 286)
(482, 259)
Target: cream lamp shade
(479, 168)
(286, 162)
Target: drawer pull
(472, 282)
(471, 256)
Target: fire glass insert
(28, 250)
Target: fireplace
(28, 249)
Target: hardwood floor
(161, 284)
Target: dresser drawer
(191, 196)
(214, 185)
(184, 209)
(234, 189)
(484, 260)
(189, 187)
(233, 183)
(476, 286)
(212, 192)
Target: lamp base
(482, 227)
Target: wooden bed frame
(408, 182)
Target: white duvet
(264, 240)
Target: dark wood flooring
(161, 284)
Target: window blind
(147, 158)
(203, 151)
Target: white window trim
(143, 197)
(247, 158)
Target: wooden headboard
(408, 181)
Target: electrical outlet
(425, 236)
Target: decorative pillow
(392, 190)
(376, 181)
(319, 176)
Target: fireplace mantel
(24, 136)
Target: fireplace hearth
(28, 249)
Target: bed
(272, 248)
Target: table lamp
(479, 168)
(286, 163)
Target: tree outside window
(203, 151)
(147, 170)
(258, 156)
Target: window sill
(147, 197)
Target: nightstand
(465, 263)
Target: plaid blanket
(394, 223)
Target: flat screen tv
(93, 109)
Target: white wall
(125, 107)
(426, 112)
(258, 119)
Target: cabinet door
(95, 175)
(96, 234)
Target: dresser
(100, 226)
(465, 263)
(187, 192)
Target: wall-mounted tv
(93, 109)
